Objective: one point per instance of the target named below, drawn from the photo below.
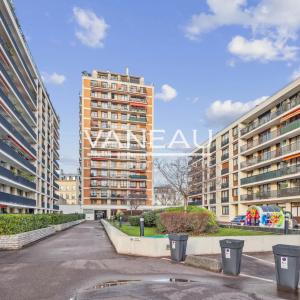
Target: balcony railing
(138, 176)
(290, 126)
(271, 154)
(56, 207)
(224, 142)
(225, 156)
(212, 201)
(224, 199)
(224, 171)
(225, 185)
(272, 174)
(16, 112)
(17, 49)
(16, 134)
(272, 116)
(16, 68)
(137, 196)
(212, 188)
(288, 192)
(135, 119)
(18, 179)
(212, 149)
(212, 162)
(14, 199)
(11, 152)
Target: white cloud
(93, 28)
(167, 93)
(273, 24)
(54, 78)
(296, 74)
(261, 49)
(224, 112)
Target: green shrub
(150, 218)
(17, 223)
(134, 220)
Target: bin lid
(178, 237)
(231, 243)
(286, 250)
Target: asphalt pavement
(81, 263)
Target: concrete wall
(71, 209)
(157, 247)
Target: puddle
(123, 282)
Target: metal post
(286, 223)
(141, 226)
(120, 221)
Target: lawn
(151, 231)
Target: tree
(175, 173)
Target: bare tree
(134, 204)
(175, 173)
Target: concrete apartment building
(28, 126)
(68, 189)
(116, 173)
(254, 160)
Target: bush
(17, 223)
(134, 220)
(150, 218)
(181, 222)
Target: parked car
(238, 220)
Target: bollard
(286, 223)
(120, 221)
(141, 226)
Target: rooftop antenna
(127, 71)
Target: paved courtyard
(75, 263)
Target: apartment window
(93, 193)
(213, 209)
(104, 104)
(225, 138)
(235, 162)
(123, 183)
(133, 184)
(93, 173)
(114, 116)
(104, 84)
(235, 177)
(94, 114)
(113, 86)
(143, 184)
(104, 125)
(104, 115)
(235, 192)
(225, 210)
(103, 183)
(235, 131)
(235, 148)
(124, 117)
(114, 125)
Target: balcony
(137, 196)
(14, 199)
(56, 185)
(290, 126)
(272, 116)
(225, 171)
(135, 119)
(225, 156)
(16, 69)
(15, 155)
(16, 134)
(224, 199)
(294, 169)
(212, 148)
(212, 201)
(224, 142)
(17, 50)
(282, 193)
(16, 112)
(195, 192)
(138, 176)
(271, 155)
(212, 188)
(18, 179)
(212, 162)
(225, 185)
(56, 207)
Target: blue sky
(215, 58)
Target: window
(225, 210)
(213, 209)
(235, 192)
(235, 147)
(235, 131)
(114, 86)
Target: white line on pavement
(259, 259)
(259, 278)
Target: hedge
(18, 223)
(134, 220)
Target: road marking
(259, 278)
(259, 259)
(169, 259)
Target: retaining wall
(158, 247)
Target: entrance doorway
(100, 214)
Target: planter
(17, 241)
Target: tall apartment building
(68, 189)
(28, 126)
(253, 161)
(116, 172)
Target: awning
(291, 156)
(290, 115)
